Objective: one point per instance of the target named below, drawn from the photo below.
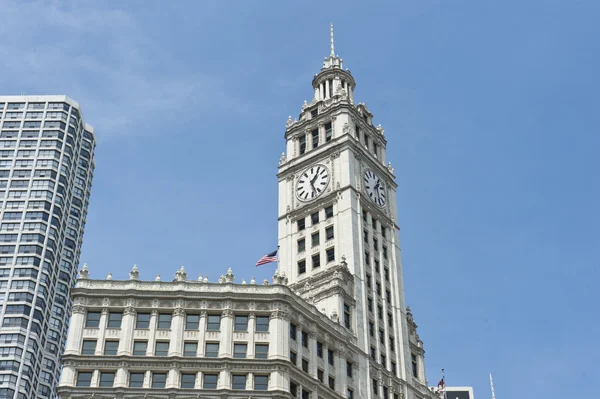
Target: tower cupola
(333, 80)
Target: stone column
(152, 333)
(279, 335)
(325, 362)
(341, 379)
(198, 381)
(127, 327)
(67, 377)
(172, 379)
(121, 377)
(202, 334)
(147, 379)
(251, 332)
(317, 93)
(279, 380)
(226, 346)
(327, 88)
(75, 337)
(250, 382)
(177, 325)
(300, 347)
(312, 345)
(101, 332)
(95, 379)
(224, 380)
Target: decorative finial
(134, 274)
(229, 276)
(157, 277)
(180, 275)
(109, 277)
(332, 47)
(205, 279)
(252, 280)
(244, 281)
(84, 273)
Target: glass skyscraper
(46, 170)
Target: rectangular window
(261, 351)
(315, 138)
(164, 321)
(314, 113)
(320, 349)
(349, 369)
(212, 349)
(331, 382)
(142, 320)
(370, 304)
(320, 375)
(383, 231)
(386, 274)
(188, 381)
(366, 140)
(365, 216)
(294, 358)
(376, 244)
(190, 349)
(140, 348)
(392, 345)
(261, 382)
(210, 381)
(305, 339)
(328, 132)
(136, 380)
(111, 347)
(347, 316)
(316, 261)
(302, 143)
(239, 351)
(371, 329)
(378, 288)
(107, 379)
(301, 245)
(315, 239)
(161, 349)
(239, 382)
(350, 394)
(301, 224)
(159, 380)
(329, 233)
(241, 323)
(368, 278)
(329, 212)
(394, 370)
(84, 379)
(373, 353)
(415, 369)
(301, 267)
(213, 322)
(93, 320)
(330, 254)
(293, 331)
(305, 365)
(262, 323)
(192, 321)
(114, 320)
(388, 296)
(89, 347)
(314, 218)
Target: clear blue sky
(491, 110)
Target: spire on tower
(331, 39)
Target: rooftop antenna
(492, 387)
(331, 40)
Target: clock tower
(338, 236)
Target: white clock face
(312, 182)
(374, 187)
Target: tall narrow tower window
(328, 132)
(302, 142)
(315, 138)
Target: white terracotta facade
(333, 321)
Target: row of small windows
(370, 144)
(192, 322)
(34, 125)
(38, 105)
(314, 138)
(190, 349)
(315, 218)
(159, 379)
(36, 115)
(316, 260)
(315, 239)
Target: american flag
(268, 258)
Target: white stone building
(46, 171)
(332, 324)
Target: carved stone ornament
(84, 273)
(78, 309)
(181, 275)
(134, 274)
(289, 121)
(179, 312)
(282, 158)
(129, 310)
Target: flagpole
(492, 387)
